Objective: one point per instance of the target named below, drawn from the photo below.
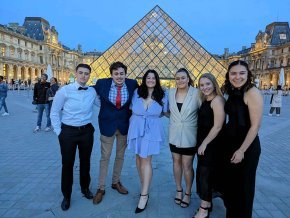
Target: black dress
(240, 178)
(205, 181)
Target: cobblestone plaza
(31, 168)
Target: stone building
(269, 53)
(26, 51)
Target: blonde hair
(216, 90)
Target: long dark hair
(190, 82)
(158, 92)
(249, 83)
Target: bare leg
(146, 172)
(187, 162)
(138, 164)
(177, 171)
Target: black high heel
(139, 210)
(209, 209)
(178, 200)
(184, 204)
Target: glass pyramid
(158, 42)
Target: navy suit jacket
(111, 118)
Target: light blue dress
(146, 132)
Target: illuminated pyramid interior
(158, 42)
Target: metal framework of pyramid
(158, 42)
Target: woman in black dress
(244, 108)
(211, 117)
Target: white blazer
(183, 124)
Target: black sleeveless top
(205, 121)
(239, 121)
(204, 124)
(179, 106)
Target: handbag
(271, 98)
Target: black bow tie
(82, 88)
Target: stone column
(9, 72)
(1, 69)
(275, 79)
(18, 72)
(7, 51)
(287, 79)
(284, 61)
(26, 76)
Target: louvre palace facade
(267, 55)
(26, 51)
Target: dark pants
(240, 183)
(69, 139)
(272, 109)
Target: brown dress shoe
(99, 196)
(120, 188)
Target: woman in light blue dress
(145, 133)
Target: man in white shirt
(71, 118)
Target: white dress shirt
(73, 107)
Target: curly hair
(249, 83)
(158, 92)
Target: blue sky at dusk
(98, 24)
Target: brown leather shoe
(99, 196)
(120, 188)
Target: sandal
(178, 200)
(209, 209)
(185, 204)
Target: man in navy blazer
(115, 96)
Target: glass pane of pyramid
(158, 42)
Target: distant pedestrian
(3, 95)
(52, 91)
(40, 90)
(276, 101)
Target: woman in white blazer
(276, 101)
(183, 106)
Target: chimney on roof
(226, 52)
(13, 25)
(79, 48)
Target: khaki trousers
(106, 150)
